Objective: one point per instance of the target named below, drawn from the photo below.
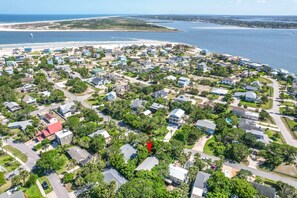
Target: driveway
(199, 145)
(58, 187)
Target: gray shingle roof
(200, 180)
(246, 125)
(80, 155)
(267, 191)
(128, 151)
(206, 124)
(17, 194)
(114, 175)
(148, 164)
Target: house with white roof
(247, 96)
(184, 82)
(111, 96)
(172, 78)
(104, 133)
(128, 151)
(219, 91)
(29, 100)
(64, 136)
(177, 175)
(228, 81)
(176, 116)
(67, 109)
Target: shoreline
(82, 30)
(8, 27)
(6, 49)
(58, 20)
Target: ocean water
(278, 48)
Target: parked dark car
(44, 185)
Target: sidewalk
(26, 168)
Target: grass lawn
(212, 97)
(44, 179)
(266, 106)
(290, 104)
(17, 153)
(283, 82)
(283, 110)
(290, 124)
(270, 134)
(207, 148)
(270, 91)
(92, 102)
(8, 162)
(5, 187)
(33, 192)
(264, 80)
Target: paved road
(24, 165)
(275, 114)
(264, 174)
(58, 187)
(32, 156)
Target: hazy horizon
(153, 7)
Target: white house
(173, 78)
(104, 133)
(64, 137)
(206, 125)
(177, 175)
(111, 96)
(248, 96)
(184, 82)
(202, 67)
(67, 109)
(176, 116)
(29, 100)
(200, 186)
(219, 91)
(228, 81)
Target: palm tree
(23, 175)
(71, 164)
(77, 105)
(15, 181)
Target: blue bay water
(278, 48)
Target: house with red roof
(50, 130)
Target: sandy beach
(7, 49)
(5, 27)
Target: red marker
(149, 145)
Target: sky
(227, 7)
